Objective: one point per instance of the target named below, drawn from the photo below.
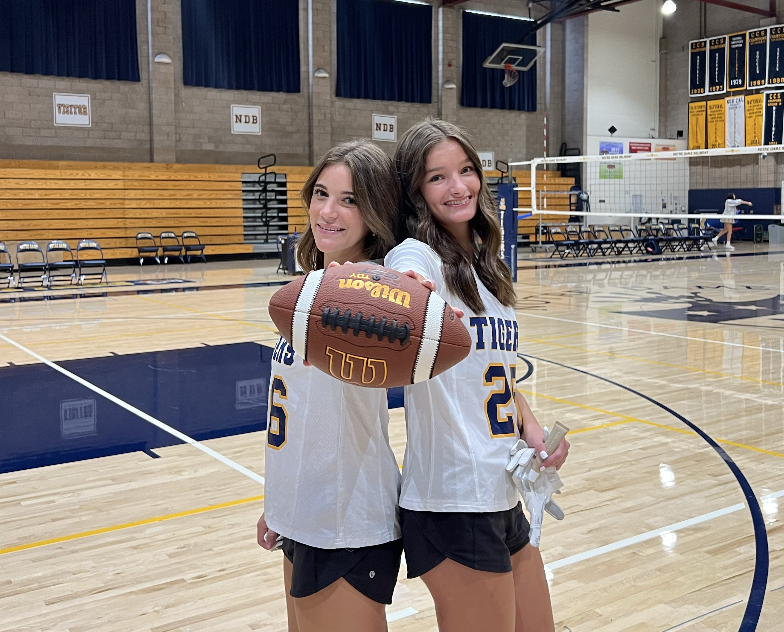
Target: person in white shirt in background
(731, 208)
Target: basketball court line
(652, 333)
(148, 418)
(534, 264)
(626, 419)
(656, 362)
(146, 290)
(102, 320)
(759, 581)
(128, 525)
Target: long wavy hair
(416, 220)
(376, 193)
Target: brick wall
(191, 124)
(120, 114)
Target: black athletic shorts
(372, 570)
(482, 541)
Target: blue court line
(762, 561)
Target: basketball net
(510, 76)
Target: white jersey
(731, 207)
(462, 423)
(332, 479)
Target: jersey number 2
(500, 397)
(276, 429)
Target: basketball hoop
(510, 76)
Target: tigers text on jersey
(332, 479)
(462, 423)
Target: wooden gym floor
(669, 372)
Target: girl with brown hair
(464, 531)
(332, 481)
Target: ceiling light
(668, 8)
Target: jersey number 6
(276, 429)
(500, 397)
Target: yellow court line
(667, 364)
(211, 315)
(128, 525)
(601, 426)
(724, 441)
(576, 405)
(627, 419)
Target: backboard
(519, 56)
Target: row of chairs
(58, 262)
(169, 245)
(617, 240)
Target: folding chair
(192, 246)
(620, 242)
(634, 240)
(170, 245)
(563, 247)
(33, 268)
(593, 243)
(145, 245)
(64, 267)
(6, 265)
(608, 244)
(659, 233)
(580, 244)
(90, 261)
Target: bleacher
(112, 202)
(545, 181)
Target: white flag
(736, 122)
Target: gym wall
(192, 124)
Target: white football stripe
(431, 336)
(299, 324)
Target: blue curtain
(482, 87)
(384, 51)
(241, 44)
(93, 39)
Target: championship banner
(717, 65)
(776, 56)
(758, 58)
(717, 123)
(736, 122)
(755, 106)
(736, 64)
(697, 113)
(773, 119)
(698, 61)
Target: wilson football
(369, 325)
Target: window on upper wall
(482, 87)
(384, 51)
(241, 44)
(91, 39)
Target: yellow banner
(717, 124)
(755, 105)
(697, 125)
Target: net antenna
(513, 59)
